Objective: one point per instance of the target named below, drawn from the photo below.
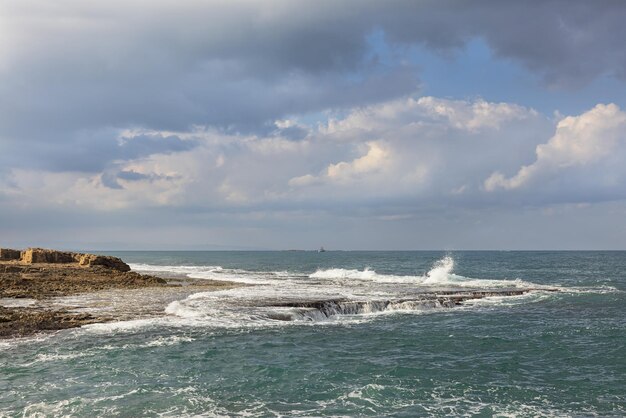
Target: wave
(180, 269)
(338, 273)
(215, 273)
(440, 274)
(210, 309)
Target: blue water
(222, 353)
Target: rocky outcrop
(101, 260)
(42, 255)
(17, 322)
(45, 256)
(7, 254)
(41, 281)
(40, 274)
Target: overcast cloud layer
(287, 124)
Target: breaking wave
(441, 271)
(440, 274)
(332, 294)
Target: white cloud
(471, 116)
(409, 148)
(579, 141)
(306, 180)
(478, 115)
(377, 158)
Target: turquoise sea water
(233, 353)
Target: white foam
(43, 409)
(239, 276)
(256, 306)
(179, 269)
(600, 290)
(120, 326)
(212, 273)
(167, 341)
(338, 273)
(180, 309)
(16, 302)
(439, 275)
(440, 272)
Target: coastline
(46, 290)
(40, 294)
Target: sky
(356, 125)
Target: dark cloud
(90, 152)
(143, 145)
(74, 75)
(132, 176)
(240, 64)
(110, 178)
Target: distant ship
(321, 250)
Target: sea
(342, 334)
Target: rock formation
(17, 322)
(101, 260)
(40, 274)
(42, 255)
(6, 254)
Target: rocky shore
(32, 278)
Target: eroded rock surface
(18, 322)
(40, 274)
(43, 277)
(40, 281)
(42, 255)
(7, 254)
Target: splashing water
(441, 271)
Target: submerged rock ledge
(324, 309)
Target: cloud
(343, 172)
(82, 67)
(295, 111)
(479, 115)
(591, 139)
(91, 151)
(404, 150)
(406, 153)
(75, 76)
(454, 114)
(79, 67)
(407, 167)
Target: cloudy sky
(353, 124)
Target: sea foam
(440, 274)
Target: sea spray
(441, 271)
